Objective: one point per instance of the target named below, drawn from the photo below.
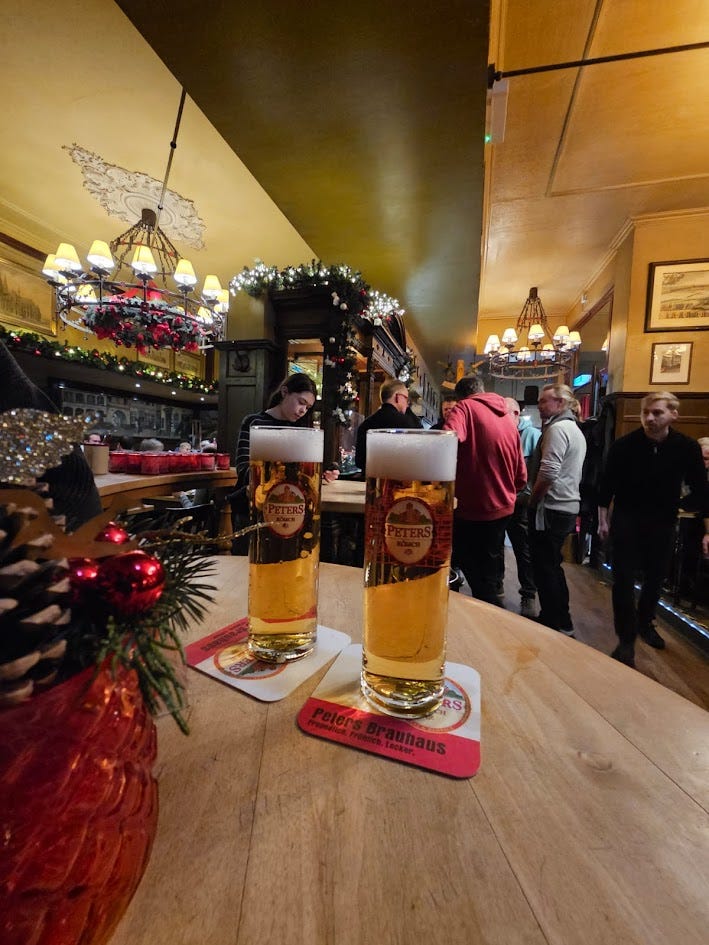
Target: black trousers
(640, 544)
(479, 552)
(546, 551)
(518, 533)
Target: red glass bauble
(130, 583)
(82, 573)
(113, 533)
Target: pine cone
(34, 608)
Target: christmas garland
(151, 324)
(40, 346)
(352, 296)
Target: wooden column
(248, 372)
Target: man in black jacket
(643, 477)
(392, 415)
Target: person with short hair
(643, 477)
(518, 524)
(555, 471)
(151, 445)
(394, 398)
(448, 402)
(489, 474)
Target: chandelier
(538, 359)
(136, 310)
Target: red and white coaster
(224, 655)
(447, 741)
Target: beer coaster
(224, 655)
(447, 741)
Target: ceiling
(354, 133)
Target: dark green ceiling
(364, 123)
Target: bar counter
(132, 489)
(586, 824)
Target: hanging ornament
(82, 577)
(131, 583)
(113, 533)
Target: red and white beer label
(408, 530)
(284, 509)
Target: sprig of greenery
(38, 345)
(150, 643)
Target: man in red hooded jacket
(490, 473)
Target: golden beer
(408, 532)
(284, 555)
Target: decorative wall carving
(124, 193)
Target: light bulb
(50, 270)
(67, 259)
(222, 306)
(143, 261)
(100, 256)
(492, 344)
(212, 287)
(185, 274)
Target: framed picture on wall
(158, 357)
(186, 362)
(26, 301)
(678, 296)
(671, 363)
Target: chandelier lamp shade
(543, 355)
(137, 311)
(123, 293)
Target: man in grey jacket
(555, 474)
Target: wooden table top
(114, 483)
(343, 495)
(587, 823)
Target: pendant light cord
(173, 146)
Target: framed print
(671, 362)
(158, 357)
(678, 296)
(186, 362)
(26, 301)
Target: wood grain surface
(587, 823)
(343, 495)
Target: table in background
(122, 491)
(343, 496)
(586, 825)
(342, 531)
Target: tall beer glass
(284, 556)
(408, 532)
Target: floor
(682, 666)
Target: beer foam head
(286, 444)
(428, 455)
